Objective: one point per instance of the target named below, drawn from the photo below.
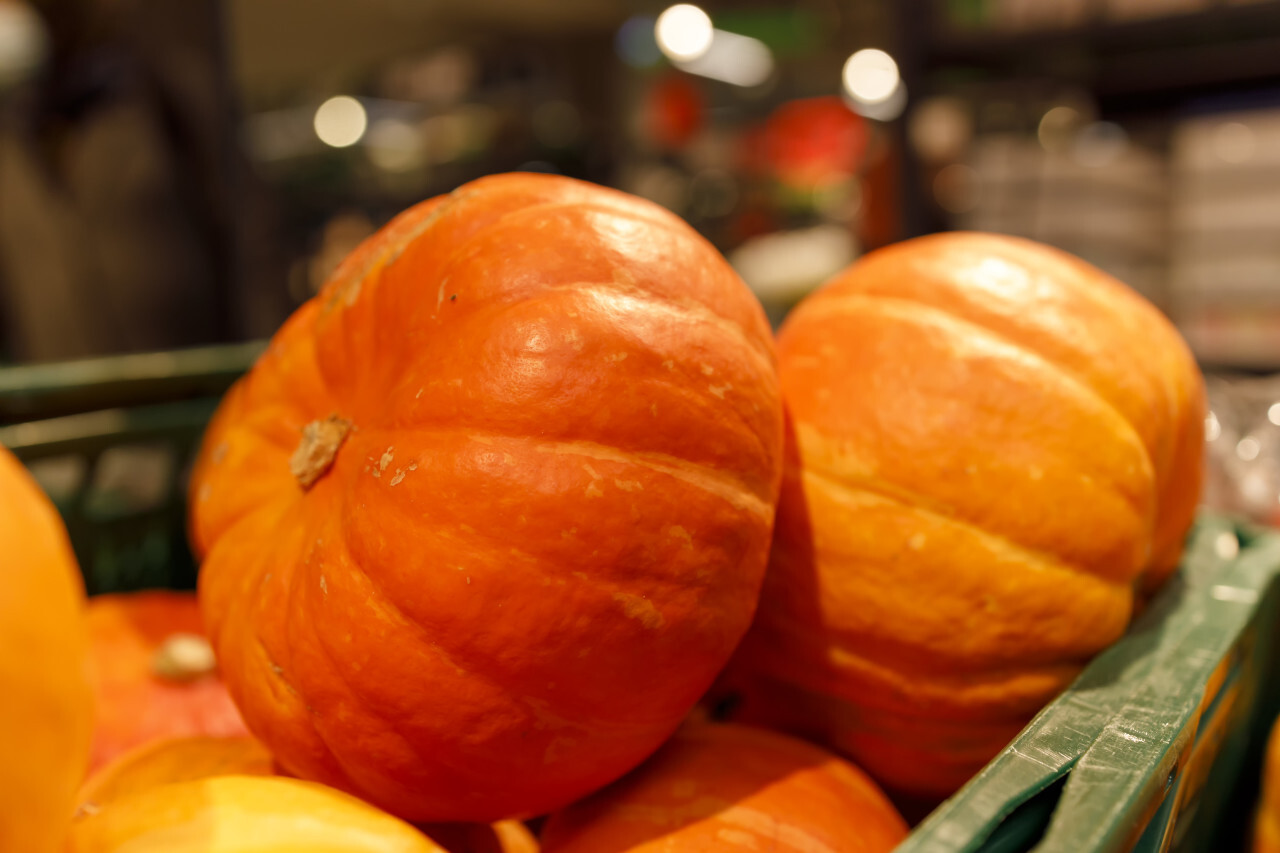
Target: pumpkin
(993, 447)
(153, 673)
(46, 712)
(504, 836)
(730, 787)
(482, 524)
(179, 759)
(1266, 834)
(185, 759)
(242, 814)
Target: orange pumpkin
(992, 446)
(186, 759)
(1266, 834)
(242, 814)
(46, 708)
(153, 673)
(488, 516)
(180, 759)
(504, 836)
(728, 787)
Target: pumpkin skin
(504, 836)
(186, 759)
(46, 714)
(179, 759)
(730, 787)
(242, 814)
(1266, 828)
(146, 689)
(485, 520)
(992, 448)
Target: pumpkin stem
(183, 657)
(319, 444)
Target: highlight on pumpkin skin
(153, 673)
(243, 814)
(730, 787)
(961, 407)
(46, 705)
(535, 434)
(170, 760)
(187, 759)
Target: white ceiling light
(341, 121)
(684, 32)
(871, 76)
(732, 58)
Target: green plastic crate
(112, 440)
(1157, 746)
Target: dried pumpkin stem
(319, 445)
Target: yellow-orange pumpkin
(178, 759)
(154, 674)
(46, 707)
(186, 759)
(488, 516)
(729, 787)
(1266, 828)
(992, 446)
(242, 814)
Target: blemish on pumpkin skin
(616, 357)
(718, 390)
(202, 494)
(628, 485)
(386, 459)
(219, 452)
(680, 533)
(324, 586)
(402, 472)
(482, 439)
(669, 365)
(419, 394)
(917, 542)
(707, 370)
(593, 491)
(653, 409)
(591, 471)
(639, 608)
(568, 534)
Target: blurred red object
(674, 111)
(814, 142)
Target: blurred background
(174, 174)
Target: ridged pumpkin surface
(188, 759)
(992, 445)
(179, 759)
(726, 787)
(242, 814)
(494, 508)
(153, 674)
(46, 707)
